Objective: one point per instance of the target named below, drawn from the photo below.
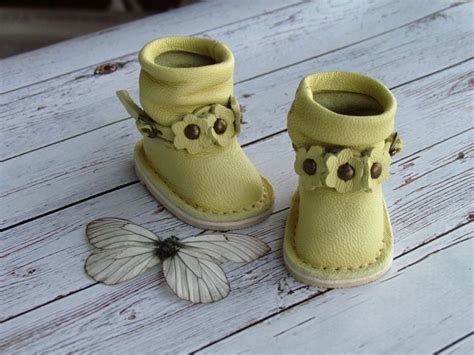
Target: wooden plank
(47, 255)
(143, 314)
(127, 38)
(72, 104)
(48, 179)
(424, 301)
(462, 346)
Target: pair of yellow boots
(338, 232)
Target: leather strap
(145, 124)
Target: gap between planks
(466, 341)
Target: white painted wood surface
(369, 320)
(67, 159)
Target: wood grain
(115, 42)
(94, 318)
(102, 160)
(49, 261)
(68, 164)
(80, 101)
(411, 311)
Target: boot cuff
(341, 108)
(180, 74)
(221, 68)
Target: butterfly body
(190, 265)
(167, 248)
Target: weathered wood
(81, 101)
(144, 314)
(421, 304)
(48, 254)
(114, 42)
(49, 305)
(102, 159)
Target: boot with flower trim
(338, 232)
(189, 158)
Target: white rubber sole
(312, 280)
(188, 218)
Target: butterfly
(191, 268)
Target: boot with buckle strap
(338, 232)
(189, 157)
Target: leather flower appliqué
(376, 167)
(235, 107)
(344, 171)
(221, 125)
(191, 133)
(309, 165)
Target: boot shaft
(341, 109)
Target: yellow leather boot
(338, 233)
(189, 158)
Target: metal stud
(376, 170)
(309, 166)
(345, 172)
(220, 126)
(192, 131)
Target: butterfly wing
(195, 278)
(224, 247)
(124, 250)
(109, 233)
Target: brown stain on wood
(108, 68)
(289, 19)
(159, 209)
(433, 17)
(406, 181)
(28, 273)
(242, 110)
(104, 69)
(465, 83)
